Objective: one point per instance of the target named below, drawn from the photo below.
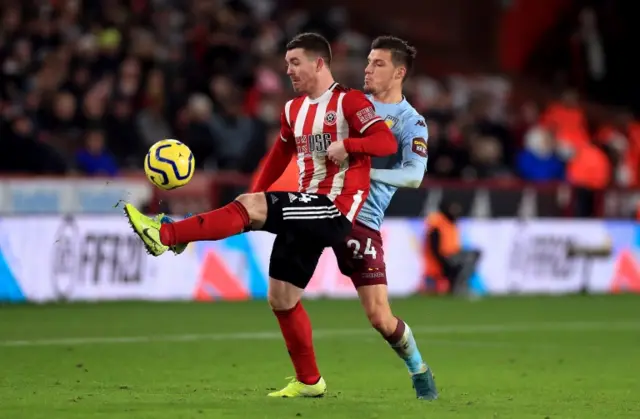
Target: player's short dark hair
(402, 53)
(312, 42)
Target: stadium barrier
(89, 258)
(481, 199)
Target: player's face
(380, 72)
(301, 69)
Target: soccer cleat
(165, 219)
(425, 385)
(297, 389)
(147, 228)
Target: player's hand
(337, 153)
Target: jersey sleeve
(278, 159)
(359, 111)
(413, 140)
(286, 133)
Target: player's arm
(377, 139)
(414, 157)
(278, 158)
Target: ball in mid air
(169, 164)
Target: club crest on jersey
(391, 121)
(419, 146)
(330, 118)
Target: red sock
(296, 329)
(224, 222)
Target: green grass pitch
(530, 357)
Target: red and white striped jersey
(310, 125)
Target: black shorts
(304, 225)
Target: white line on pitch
(328, 333)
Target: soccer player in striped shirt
(333, 131)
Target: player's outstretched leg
(248, 210)
(284, 299)
(397, 333)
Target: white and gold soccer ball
(169, 164)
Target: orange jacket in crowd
(449, 243)
(288, 182)
(568, 123)
(589, 168)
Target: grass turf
(529, 357)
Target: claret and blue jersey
(405, 168)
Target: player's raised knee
(256, 205)
(282, 295)
(281, 301)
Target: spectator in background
(94, 106)
(568, 121)
(620, 139)
(94, 159)
(486, 160)
(122, 134)
(480, 121)
(445, 157)
(538, 161)
(233, 130)
(524, 119)
(198, 134)
(152, 124)
(129, 81)
(23, 153)
(448, 267)
(63, 124)
(588, 171)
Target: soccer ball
(169, 164)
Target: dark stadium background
(116, 76)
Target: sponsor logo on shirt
(366, 115)
(419, 146)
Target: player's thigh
(312, 218)
(293, 260)
(361, 257)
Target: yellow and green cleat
(296, 388)
(147, 228)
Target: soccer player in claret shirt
(360, 256)
(333, 131)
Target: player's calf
(246, 212)
(284, 299)
(396, 332)
(375, 301)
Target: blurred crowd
(87, 87)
